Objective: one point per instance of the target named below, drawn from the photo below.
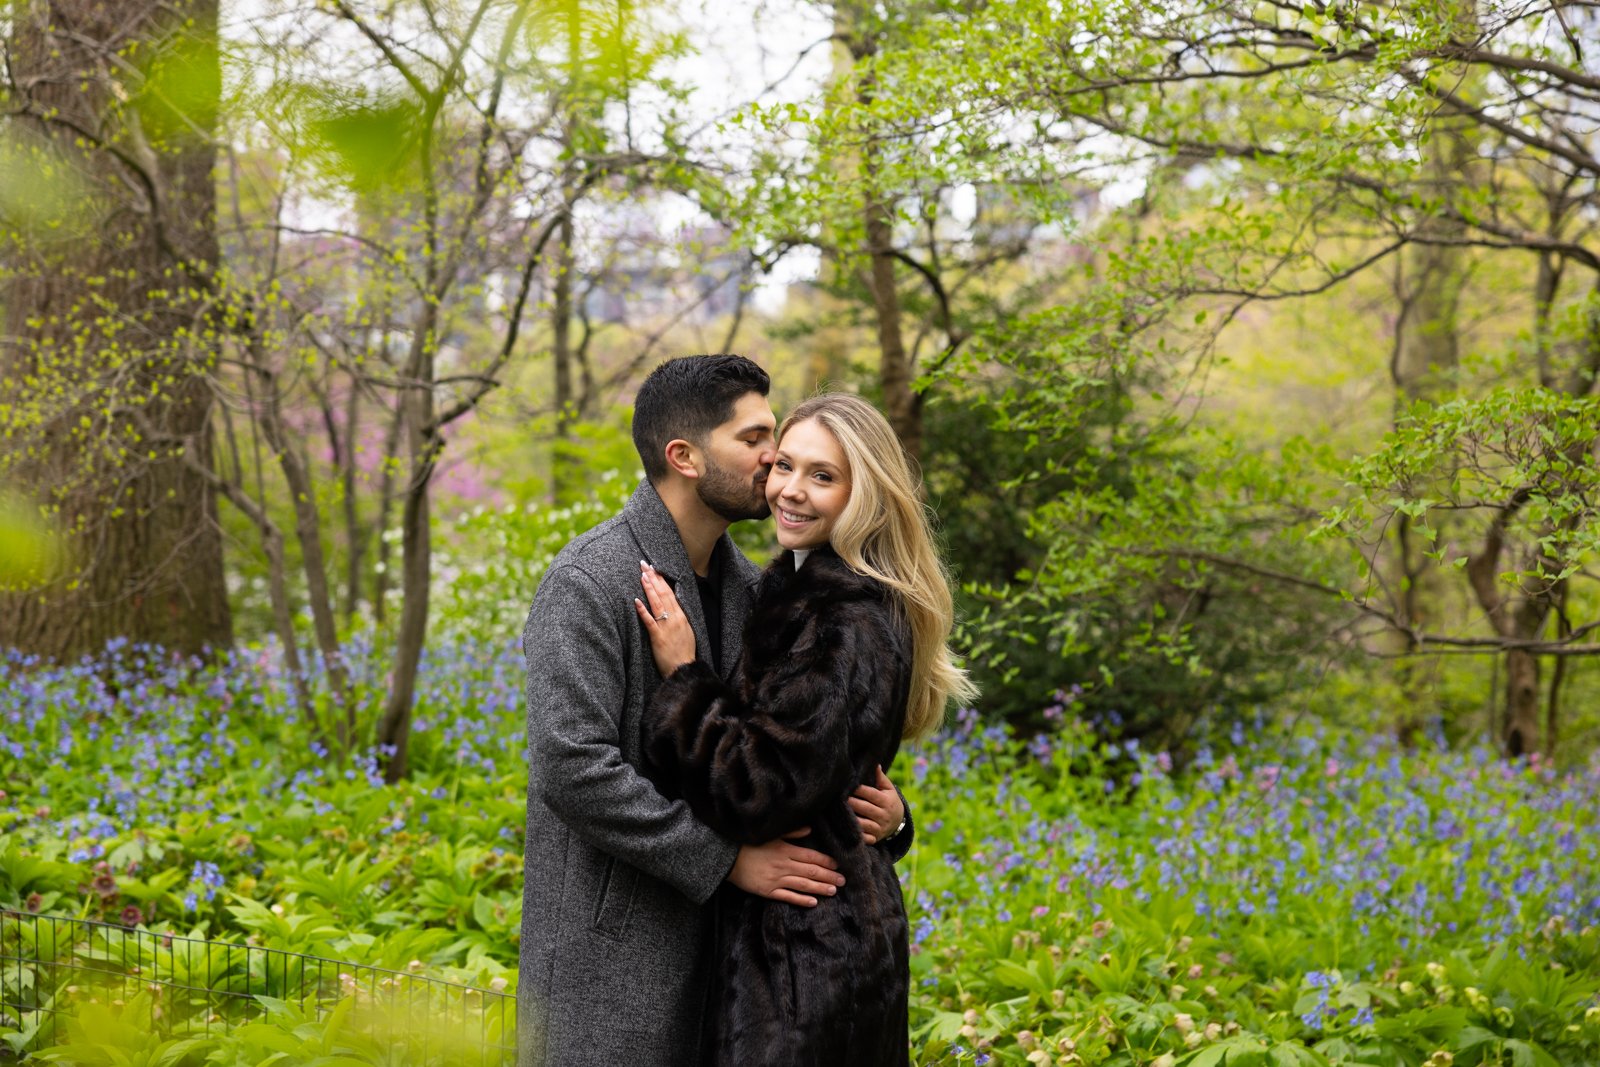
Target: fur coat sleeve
(818, 701)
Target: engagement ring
(664, 616)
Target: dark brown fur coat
(818, 700)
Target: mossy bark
(107, 322)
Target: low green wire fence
(161, 986)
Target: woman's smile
(808, 487)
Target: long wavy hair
(884, 533)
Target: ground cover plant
(1301, 898)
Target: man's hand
(879, 808)
(780, 870)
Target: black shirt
(711, 607)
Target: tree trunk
(106, 325)
(354, 536)
(391, 452)
(561, 305)
(1519, 616)
(308, 531)
(1522, 703)
(1552, 705)
(277, 581)
(561, 356)
(902, 405)
(416, 554)
(394, 731)
(1407, 572)
(1426, 357)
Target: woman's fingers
(873, 795)
(660, 594)
(872, 814)
(652, 588)
(645, 616)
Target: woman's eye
(823, 477)
(781, 465)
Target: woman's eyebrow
(815, 464)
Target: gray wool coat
(615, 941)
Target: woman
(844, 655)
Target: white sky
(737, 51)
(770, 49)
(775, 50)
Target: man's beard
(723, 492)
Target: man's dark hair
(689, 397)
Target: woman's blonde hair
(884, 533)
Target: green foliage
(497, 556)
(358, 1030)
(1521, 459)
(1064, 895)
(102, 1036)
(1147, 555)
(1265, 910)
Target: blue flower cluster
(1347, 832)
(138, 740)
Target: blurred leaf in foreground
(30, 551)
(40, 193)
(368, 142)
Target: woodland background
(1248, 350)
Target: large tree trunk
(1522, 703)
(103, 339)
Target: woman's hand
(671, 636)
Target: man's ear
(683, 457)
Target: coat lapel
(661, 546)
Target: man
(615, 935)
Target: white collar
(800, 555)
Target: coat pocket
(617, 885)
